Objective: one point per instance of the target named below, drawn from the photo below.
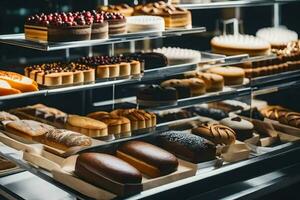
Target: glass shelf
(19, 39)
(229, 4)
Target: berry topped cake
(116, 22)
(59, 27)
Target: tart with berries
(58, 27)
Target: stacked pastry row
(40, 132)
(282, 115)
(14, 83)
(74, 26)
(173, 16)
(85, 70)
(118, 123)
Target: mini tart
(216, 133)
(102, 71)
(86, 126)
(240, 44)
(213, 82)
(117, 125)
(135, 67)
(231, 75)
(114, 70)
(99, 30)
(125, 69)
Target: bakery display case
(150, 100)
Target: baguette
(19, 82)
(6, 89)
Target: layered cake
(231, 75)
(99, 26)
(145, 23)
(278, 37)
(240, 44)
(124, 9)
(58, 27)
(213, 82)
(154, 95)
(178, 56)
(116, 23)
(174, 16)
(139, 119)
(186, 87)
(57, 74)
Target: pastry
(104, 171)
(27, 129)
(6, 164)
(18, 82)
(99, 26)
(213, 82)
(216, 133)
(240, 44)
(42, 113)
(64, 139)
(147, 158)
(231, 75)
(5, 116)
(57, 74)
(242, 128)
(187, 146)
(209, 112)
(174, 16)
(116, 22)
(278, 37)
(139, 119)
(6, 89)
(186, 87)
(59, 27)
(174, 115)
(87, 126)
(154, 95)
(117, 125)
(229, 105)
(274, 112)
(178, 56)
(290, 118)
(145, 23)
(124, 9)
(254, 113)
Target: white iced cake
(278, 37)
(145, 23)
(240, 44)
(177, 55)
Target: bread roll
(27, 128)
(187, 146)
(86, 126)
(19, 82)
(147, 158)
(64, 139)
(215, 133)
(104, 170)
